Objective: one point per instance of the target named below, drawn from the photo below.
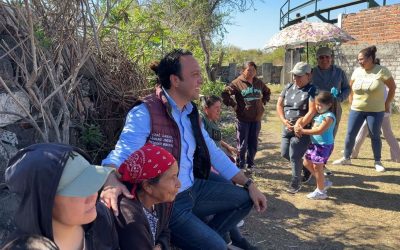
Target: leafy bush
(212, 88)
(91, 136)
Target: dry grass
(362, 211)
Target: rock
(6, 70)
(6, 152)
(8, 104)
(8, 205)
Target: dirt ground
(362, 212)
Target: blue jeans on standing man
(374, 123)
(228, 203)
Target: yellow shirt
(369, 89)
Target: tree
(149, 28)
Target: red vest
(165, 132)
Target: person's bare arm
(258, 198)
(309, 115)
(281, 115)
(229, 148)
(351, 92)
(318, 130)
(392, 91)
(112, 189)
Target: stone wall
(267, 72)
(379, 26)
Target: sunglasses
(323, 57)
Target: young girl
(322, 141)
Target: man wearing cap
(326, 76)
(295, 107)
(168, 118)
(58, 187)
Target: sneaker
(327, 184)
(317, 195)
(327, 172)
(306, 176)
(379, 167)
(244, 244)
(342, 161)
(294, 187)
(240, 224)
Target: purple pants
(247, 141)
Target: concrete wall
(267, 72)
(346, 58)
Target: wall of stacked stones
(267, 72)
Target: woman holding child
(295, 107)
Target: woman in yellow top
(368, 104)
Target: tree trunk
(204, 47)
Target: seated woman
(152, 174)
(58, 187)
(211, 112)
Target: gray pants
(387, 133)
(293, 149)
(247, 141)
(338, 114)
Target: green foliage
(40, 35)
(228, 131)
(212, 88)
(275, 88)
(91, 135)
(237, 55)
(146, 30)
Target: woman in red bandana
(151, 173)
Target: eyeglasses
(323, 57)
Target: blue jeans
(293, 149)
(354, 123)
(229, 203)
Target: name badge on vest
(165, 141)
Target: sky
(252, 29)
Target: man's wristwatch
(248, 183)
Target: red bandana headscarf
(146, 163)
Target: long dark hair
(327, 98)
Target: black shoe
(327, 172)
(227, 239)
(306, 176)
(244, 244)
(294, 187)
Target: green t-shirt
(369, 89)
(212, 129)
